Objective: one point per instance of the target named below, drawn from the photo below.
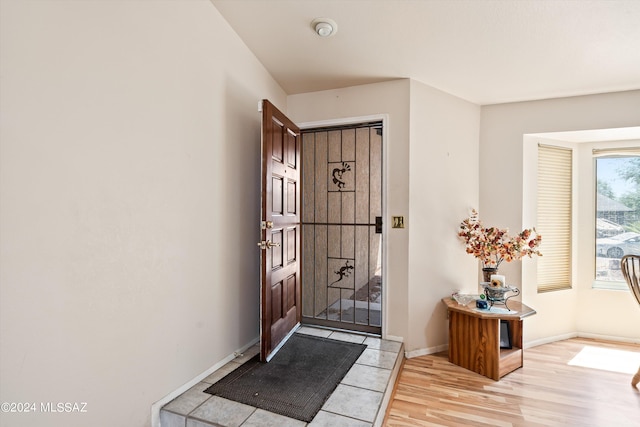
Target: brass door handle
(268, 244)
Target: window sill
(610, 285)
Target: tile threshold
(360, 400)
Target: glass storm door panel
(342, 228)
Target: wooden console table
(474, 338)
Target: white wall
(129, 203)
(443, 188)
(392, 99)
(502, 161)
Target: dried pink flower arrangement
(493, 245)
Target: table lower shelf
(510, 360)
(494, 368)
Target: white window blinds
(554, 217)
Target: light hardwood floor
(546, 391)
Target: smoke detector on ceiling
(324, 27)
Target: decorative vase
(487, 272)
(496, 295)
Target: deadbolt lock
(267, 244)
(266, 225)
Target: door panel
(280, 274)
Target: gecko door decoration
(343, 273)
(342, 227)
(338, 176)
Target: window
(617, 213)
(555, 189)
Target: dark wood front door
(280, 230)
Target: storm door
(342, 227)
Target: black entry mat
(296, 382)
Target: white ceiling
(484, 51)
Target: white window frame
(599, 150)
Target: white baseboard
(548, 340)
(610, 338)
(393, 338)
(529, 344)
(567, 336)
(155, 408)
(424, 351)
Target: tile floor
(360, 400)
